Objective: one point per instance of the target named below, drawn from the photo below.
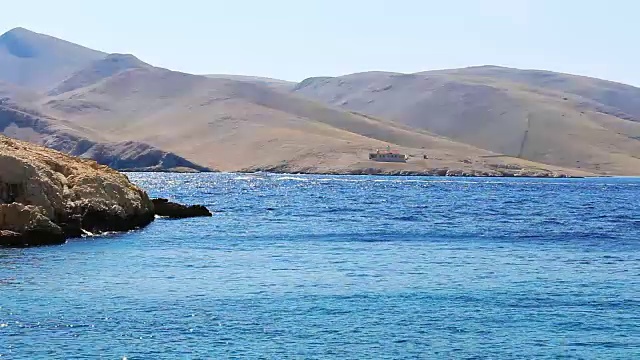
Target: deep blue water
(330, 267)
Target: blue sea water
(342, 267)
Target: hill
(620, 99)
(229, 123)
(272, 83)
(552, 118)
(25, 124)
(246, 126)
(38, 61)
(98, 70)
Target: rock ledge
(164, 207)
(47, 197)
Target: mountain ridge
(98, 70)
(38, 61)
(23, 124)
(239, 123)
(560, 124)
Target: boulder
(164, 207)
(47, 196)
(27, 225)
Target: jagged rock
(47, 196)
(27, 225)
(164, 207)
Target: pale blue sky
(295, 39)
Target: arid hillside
(552, 118)
(26, 124)
(444, 122)
(38, 61)
(276, 84)
(235, 125)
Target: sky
(296, 39)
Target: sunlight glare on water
(342, 267)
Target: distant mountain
(275, 84)
(38, 61)
(26, 125)
(553, 118)
(98, 70)
(126, 113)
(32, 64)
(239, 126)
(242, 126)
(623, 100)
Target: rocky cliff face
(47, 196)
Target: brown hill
(225, 122)
(275, 84)
(38, 61)
(551, 118)
(97, 71)
(620, 99)
(25, 124)
(241, 125)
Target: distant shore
(368, 172)
(417, 173)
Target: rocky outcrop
(23, 225)
(47, 196)
(164, 207)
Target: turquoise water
(330, 267)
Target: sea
(342, 267)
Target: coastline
(497, 171)
(47, 197)
(421, 173)
(365, 172)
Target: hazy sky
(295, 39)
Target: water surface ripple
(339, 267)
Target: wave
(248, 178)
(292, 178)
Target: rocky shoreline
(381, 172)
(523, 173)
(47, 197)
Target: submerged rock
(47, 196)
(164, 207)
